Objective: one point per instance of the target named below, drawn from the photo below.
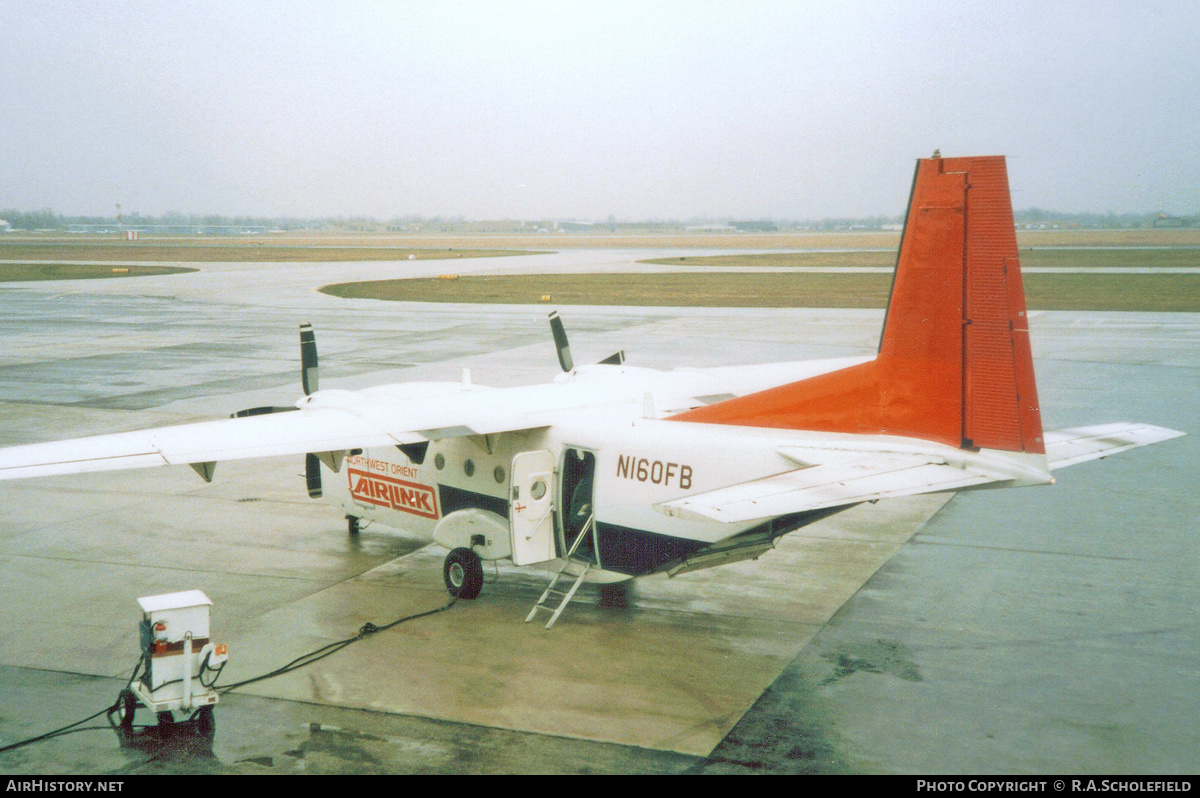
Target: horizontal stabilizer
(832, 485)
(1065, 447)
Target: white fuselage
(635, 461)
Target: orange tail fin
(954, 363)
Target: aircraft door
(578, 513)
(531, 507)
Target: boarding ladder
(564, 574)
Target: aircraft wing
(327, 421)
(876, 476)
(1065, 447)
(298, 432)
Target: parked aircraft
(612, 471)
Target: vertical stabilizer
(954, 363)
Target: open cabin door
(531, 507)
(578, 513)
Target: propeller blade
(310, 374)
(261, 411)
(560, 342)
(310, 380)
(615, 359)
(312, 475)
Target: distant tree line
(47, 219)
(1104, 221)
(32, 220)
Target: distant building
(756, 227)
(5, 227)
(1163, 220)
(710, 228)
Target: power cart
(179, 663)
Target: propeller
(563, 347)
(261, 411)
(310, 378)
(310, 373)
(560, 342)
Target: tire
(126, 709)
(463, 572)
(352, 524)
(206, 722)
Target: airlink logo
(396, 494)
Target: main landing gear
(463, 572)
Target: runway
(1004, 631)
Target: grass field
(22, 272)
(1061, 258)
(1132, 248)
(1171, 292)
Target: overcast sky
(584, 110)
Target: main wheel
(352, 524)
(463, 572)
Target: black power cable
(303, 660)
(70, 728)
(366, 630)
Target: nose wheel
(463, 572)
